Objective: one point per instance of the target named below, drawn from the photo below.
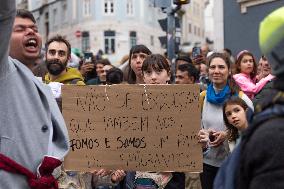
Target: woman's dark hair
(114, 76)
(233, 131)
(156, 62)
(234, 88)
(135, 49)
(239, 60)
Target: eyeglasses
(53, 52)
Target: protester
(212, 100)
(245, 74)
(155, 70)
(99, 68)
(87, 69)
(34, 138)
(58, 51)
(114, 76)
(183, 60)
(234, 114)
(265, 70)
(204, 80)
(57, 56)
(25, 42)
(261, 162)
(186, 74)
(106, 68)
(137, 55)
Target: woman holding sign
(213, 134)
(155, 70)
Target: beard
(55, 66)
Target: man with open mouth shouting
(25, 42)
(33, 135)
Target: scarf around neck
(219, 98)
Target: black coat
(262, 148)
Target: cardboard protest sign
(133, 127)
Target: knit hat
(271, 40)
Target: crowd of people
(241, 109)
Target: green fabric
(67, 78)
(146, 183)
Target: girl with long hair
(245, 74)
(234, 114)
(137, 56)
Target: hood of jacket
(67, 77)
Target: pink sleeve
(248, 86)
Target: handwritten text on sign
(133, 127)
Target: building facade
(193, 24)
(22, 4)
(112, 26)
(241, 23)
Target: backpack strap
(201, 99)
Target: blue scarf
(219, 98)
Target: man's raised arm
(7, 16)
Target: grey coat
(31, 125)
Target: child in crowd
(234, 114)
(245, 77)
(156, 70)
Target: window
(86, 7)
(74, 10)
(152, 40)
(129, 7)
(198, 31)
(85, 41)
(109, 7)
(109, 36)
(133, 38)
(46, 23)
(64, 12)
(54, 17)
(189, 28)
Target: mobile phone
(211, 137)
(88, 56)
(196, 51)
